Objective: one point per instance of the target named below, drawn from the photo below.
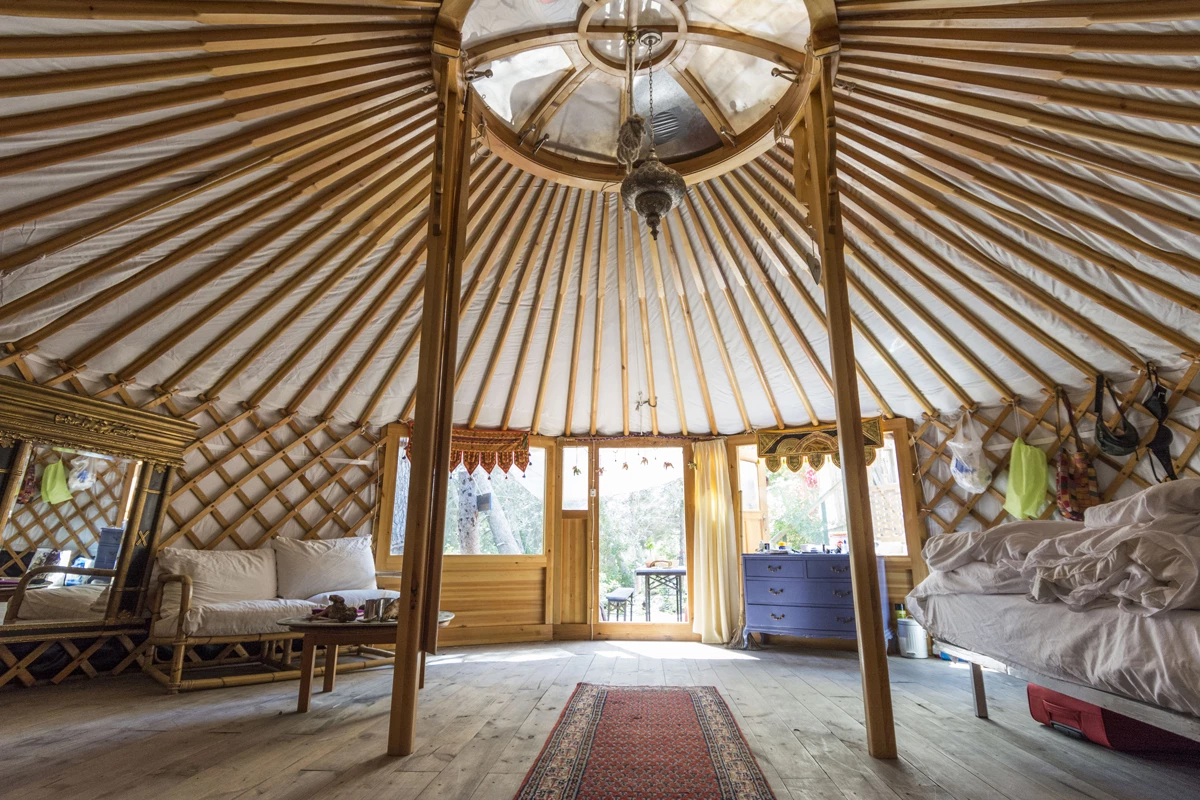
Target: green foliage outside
(795, 510)
(635, 528)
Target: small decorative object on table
(337, 610)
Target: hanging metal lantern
(652, 189)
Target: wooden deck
(486, 711)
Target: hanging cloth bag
(29, 482)
(54, 484)
(968, 465)
(1120, 442)
(1076, 476)
(1160, 443)
(1027, 475)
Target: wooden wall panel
(494, 598)
(573, 551)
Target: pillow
(312, 567)
(61, 602)
(1173, 497)
(354, 598)
(218, 576)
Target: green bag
(54, 484)
(1027, 476)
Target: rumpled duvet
(1141, 553)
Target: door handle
(843, 619)
(774, 591)
(777, 616)
(842, 593)
(836, 568)
(774, 567)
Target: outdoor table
(332, 635)
(669, 578)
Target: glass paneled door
(642, 541)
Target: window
(808, 507)
(498, 513)
(575, 479)
(642, 534)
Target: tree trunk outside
(506, 543)
(468, 517)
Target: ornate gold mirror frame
(34, 415)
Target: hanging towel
(54, 484)
(1026, 481)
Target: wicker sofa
(220, 608)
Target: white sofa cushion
(218, 576)
(353, 597)
(311, 567)
(62, 602)
(237, 618)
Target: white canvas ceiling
(233, 205)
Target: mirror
(71, 511)
(84, 487)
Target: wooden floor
(485, 713)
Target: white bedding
(1142, 553)
(1153, 659)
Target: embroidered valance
(487, 449)
(797, 445)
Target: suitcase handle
(1066, 717)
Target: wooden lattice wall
(947, 507)
(71, 525)
(252, 473)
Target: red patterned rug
(645, 743)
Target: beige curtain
(717, 601)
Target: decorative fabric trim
(794, 446)
(487, 449)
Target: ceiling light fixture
(651, 188)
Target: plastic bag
(968, 465)
(83, 474)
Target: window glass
(748, 476)
(575, 478)
(808, 507)
(400, 508)
(498, 513)
(643, 565)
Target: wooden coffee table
(333, 635)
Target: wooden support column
(420, 587)
(825, 214)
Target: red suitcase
(1101, 726)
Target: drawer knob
(836, 568)
(777, 616)
(842, 592)
(840, 619)
(774, 591)
(774, 567)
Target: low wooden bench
(622, 600)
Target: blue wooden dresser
(805, 595)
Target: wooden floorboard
(486, 712)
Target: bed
(1143, 667)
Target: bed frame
(1173, 721)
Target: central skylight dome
(554, 97)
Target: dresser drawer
(828, 567)
(795, 592)
(779, 567)
(812, 618)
